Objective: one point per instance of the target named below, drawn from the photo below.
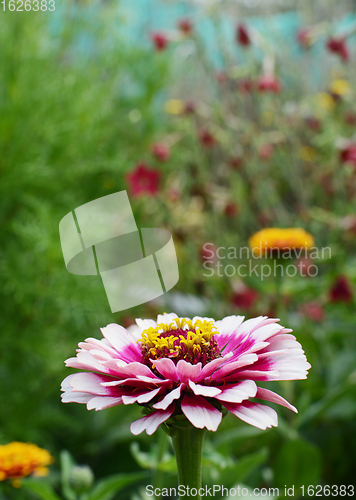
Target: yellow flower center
(181, 339)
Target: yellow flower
(174, 106)
(325, 101)
(277, 239)
(340, 87)
(307, 153)
(19, 460)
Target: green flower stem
(188, 448)
(162, 448)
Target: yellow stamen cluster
(180, 339)
(19, 460)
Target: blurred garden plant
(257, 133)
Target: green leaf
(42, 490)
(107, 488)
(67, 463)
(149, 460)
(297, 463)
(322, 405)
(237, 434)
(243, 467)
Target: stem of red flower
(188, 448)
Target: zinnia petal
(204, 390)
(237, 393)
(271, 396)
(169, 398)
(151, 422)
(255, 414)
(201, 413)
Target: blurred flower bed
(214, 154)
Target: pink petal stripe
(150, 422)
(128, 370)
(91, 343)
(187, 371)
(145, 382)
(204, 390)
(239, 392)
(167, 368)
(169, 398)
(212, 366)
(117, 336)
(228, 368)
(268, 395)
(201, 413)
(253, 375)
(255, 414)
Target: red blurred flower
(244, 298)
(348, 153)
(235, 163)
(143, 180)
(269, 83)
(313, 311)
(341, 290)
(207, 139)
(304, 37)
(245, 85)
(350, 118)
(338, 46)
(266, 151)
(304, 266)
(231, 209)
(161, 151)
(313, 123)
(242, 35)
(159, 40)
(208, 252)
(185, 26)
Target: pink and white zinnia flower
(193, 368)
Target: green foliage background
(66, 137)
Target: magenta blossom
(183, 368)
(338, 46)
(269, 83)
(242, 35)
(143, 180)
